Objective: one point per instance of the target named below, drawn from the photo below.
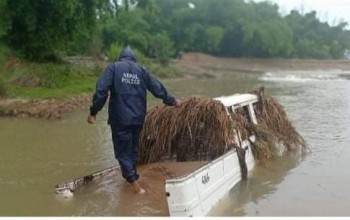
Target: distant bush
(162, 48)
(113, 52)
(160, 69)
(142, 59)
(2, 78)
(42, 30)
(156, 68)
(3, 92)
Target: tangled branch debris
(201, 129)
(275, 132)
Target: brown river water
(35, 155)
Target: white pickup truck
(196, 193)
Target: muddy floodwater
(35, 155)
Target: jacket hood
(127, 54)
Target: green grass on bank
(58, 80)
(47, 80)
(72, 86)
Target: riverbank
(192, 65)
(50, 90)
(202, 65)
(49, 109)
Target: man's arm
(103, 85)
(158, 90)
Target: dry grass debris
(201, 129)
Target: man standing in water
(127, 82)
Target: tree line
(45, 30)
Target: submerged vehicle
(194, 193)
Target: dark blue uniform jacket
(127, 82)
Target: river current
(35, 155)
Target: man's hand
(91, 119)
(178, 102)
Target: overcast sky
(332, 11)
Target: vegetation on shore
(36, 36)
(31, 80)
(48, 80)
(47, 30)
